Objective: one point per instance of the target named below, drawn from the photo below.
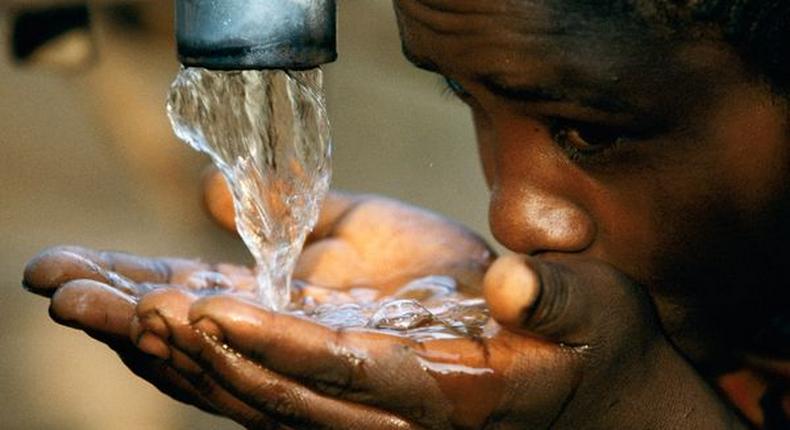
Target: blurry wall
(88, 158)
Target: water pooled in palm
(430, 307)
(268, 132)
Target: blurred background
(87, 157)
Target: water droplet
(400, 315)
(340, 316)
(427, 288)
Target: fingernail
(154, 345)
(208, 327)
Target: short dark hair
(758, 30)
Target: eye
(586, 137)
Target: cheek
(752, 155)
(629, 230)
(702, 206)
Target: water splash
(268, 133)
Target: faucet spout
(256, 34)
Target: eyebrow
(532, 94)
(539, 94)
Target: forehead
(581, 46)
(492, 34)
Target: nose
(537, 196)
(530, 220)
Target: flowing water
(268, 133)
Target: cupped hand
(98, 291)
(360, 241)
(579, 347)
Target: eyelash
(560, 128)
(563, 131)
(452, 89)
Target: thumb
(219, 203)
(558, 302)
(218, 200)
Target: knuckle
(279, 400)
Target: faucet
(255, 34)
(214, 34)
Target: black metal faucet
(255, 34)
(215, 34)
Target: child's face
(667, 160)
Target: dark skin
(577, 344)
(640, 177)
(678, 188)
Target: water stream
(268, 133)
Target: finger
(335, 207)
(219, 203)
(106, 314)
(541, 298)
(205, 388)
(285, 400)
(161, 321)
(455, 379)
(162, 314)
(218, 199)
(193, 387)
(55, 266)
(327, 356)
(159, 324)
(92, 305)
(158, 372)
(358, 366)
